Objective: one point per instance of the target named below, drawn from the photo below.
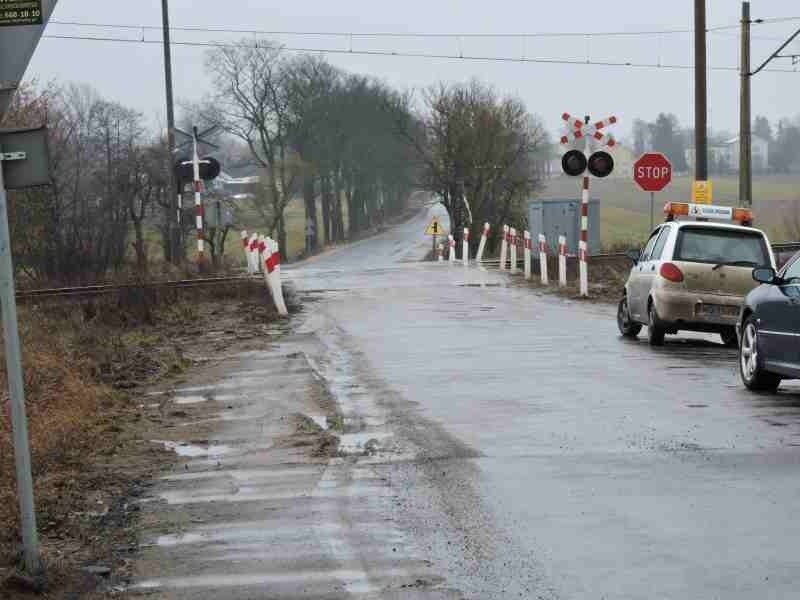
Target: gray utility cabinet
(555, 217)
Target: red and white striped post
(451, 242)
(528, 247)
(482, 245)
(562, 261)
(513, 245)
(198, 200)
(465, 248)
(543, 258)
(272, 274)
(504, 248)
(440, 252)
(583, 246)
(254, 267)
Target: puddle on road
(361, 443)
(188, 450)
(321, 421)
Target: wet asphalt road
(496, 442)
(606, 469)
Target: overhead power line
(389, 34)
(424, 55)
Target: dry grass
(64, 404)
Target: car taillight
(671, 273)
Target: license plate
(717, 310)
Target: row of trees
(348, 144)
(315, 131)
(107, 174)
(666, 135)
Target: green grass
(625, 209)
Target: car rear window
(721, 246)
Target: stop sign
(652, 172)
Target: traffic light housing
(210, 169)
(573, 163)
(601, 164)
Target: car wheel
(753, 375)
(729, 338)
(627, 328)
(655, 331)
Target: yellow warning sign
(435, 228)
(702, 192)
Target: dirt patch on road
(87, 366)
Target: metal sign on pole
(652, 172)
(22, 28)
(211, 168)
(600, 164)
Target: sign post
(435, 230)
(652, 173)
(599, 164)
(22, 23)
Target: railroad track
(111, 288)
(788, 247)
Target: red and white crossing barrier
(562, 261)
(440, 252)
(543, 258)
(584, 243)
(528, 247)
(513, 245)
(246, 247)
(504, 248)
(451, 242)
(482, 245)
(272, 275)
(465, 249)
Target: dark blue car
(769, 328)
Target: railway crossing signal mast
(576, 163)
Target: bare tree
(479, 147)
(250, 100)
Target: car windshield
(721, 246)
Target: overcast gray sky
(133, 73)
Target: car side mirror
(764, 275)
(634, 255)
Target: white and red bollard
(440, 252)
(562, 261)
(253, 254)
(482, 245)
(528, 247)
(504, 248)
(451, 242)
(246, 247)
(272, 275)
(465, 248)
(543, 258)
(513, 245)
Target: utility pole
(745, 136)
(174, 203)
(700, 93)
